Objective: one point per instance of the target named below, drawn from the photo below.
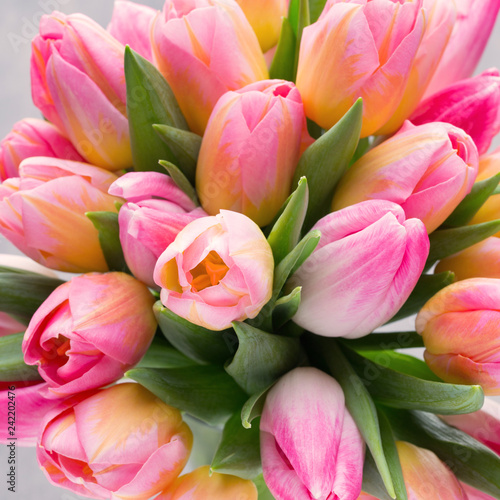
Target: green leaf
(261, 357)
(286, 307)
(293, 14)
(282, 66)
(12, 365)
(385, 341)
(239, 450)
(109, 238)
(326, 160)
(180, 180)
(253, 407)
(372, 481)
(162, 355)
(471, 204)
(316, 8)
(150, 101)
(262, 489)
(363, 147)
(285, 233)
(205, 392)
(196, 342)
(303, 20)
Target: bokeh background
(18, 25)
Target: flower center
(57, 353)
(208, 272)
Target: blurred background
(19, 24)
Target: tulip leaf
(427, 286)
(239, 450)
(12, 365)
(196, 342)
(471, 204)
(385, 341)
(162, 355)
(262, 489)
(364, 146)
(326, 160)
(150, 101)
(285, 233)
(261, 357)
(205, 392)
(286, 308)
(180, 180)
(107, 225)
(253, 407)
(316, 8)
(22, 294)
(303, 20)
(282, 66)
(372, 481)
(184, 145)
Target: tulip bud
(459, 326)
(33, 137)
(218, 270)
(43, 209)
(204, 49)
(427, 170)
(78, 83)
(309, 443)
(250, 150)
(90, 331)
(155, 212)
(121, 442)
(354, 282)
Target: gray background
(19, 21)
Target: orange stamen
(209, 272)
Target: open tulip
(459, 326)
(205, 48)
(155, 212)
(250, 150)
(43, 209)
(427, 169)
(89, 331)
(78, 83)
(33, 137)
(354, 282)
(218, 270)
(309, 443)
(121, 442)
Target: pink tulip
(459, 326)
(155, 212)
(43, 210)
(120, 443)
(32, 137)
(78, 83)
(427, 169)
(218, 270)
(205, 48)
(9, 325)
(472, 30)
(250, 150)
(473, 494)
(89, 332)
(354, 281)
(309, 443)
(472, 105)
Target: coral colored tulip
(120, 443)
(218, 270)
(459, 326)
(427, 170)
(89, 331)
(155, 212)
(205, 48)
(33, 137)
(78, 83)
(473, 494)
(472, 105)
(200, 485)
(43, 210)
(354, 281)
(309, 444)
(250, 150)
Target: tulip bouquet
(246, 191)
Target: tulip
(472, 105)
(309, 444)
(155, 212)
(354, 281)
(459, 326)
(250, 150)
(43, 209)
(475, 21)
(89, 332)
(427, 169)
(121, 442)
(218, 270)
(9, 325)
(33, 137)
(205, 48)
(200, 485)
(131, 24)
(473, 494)
(78, 83)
